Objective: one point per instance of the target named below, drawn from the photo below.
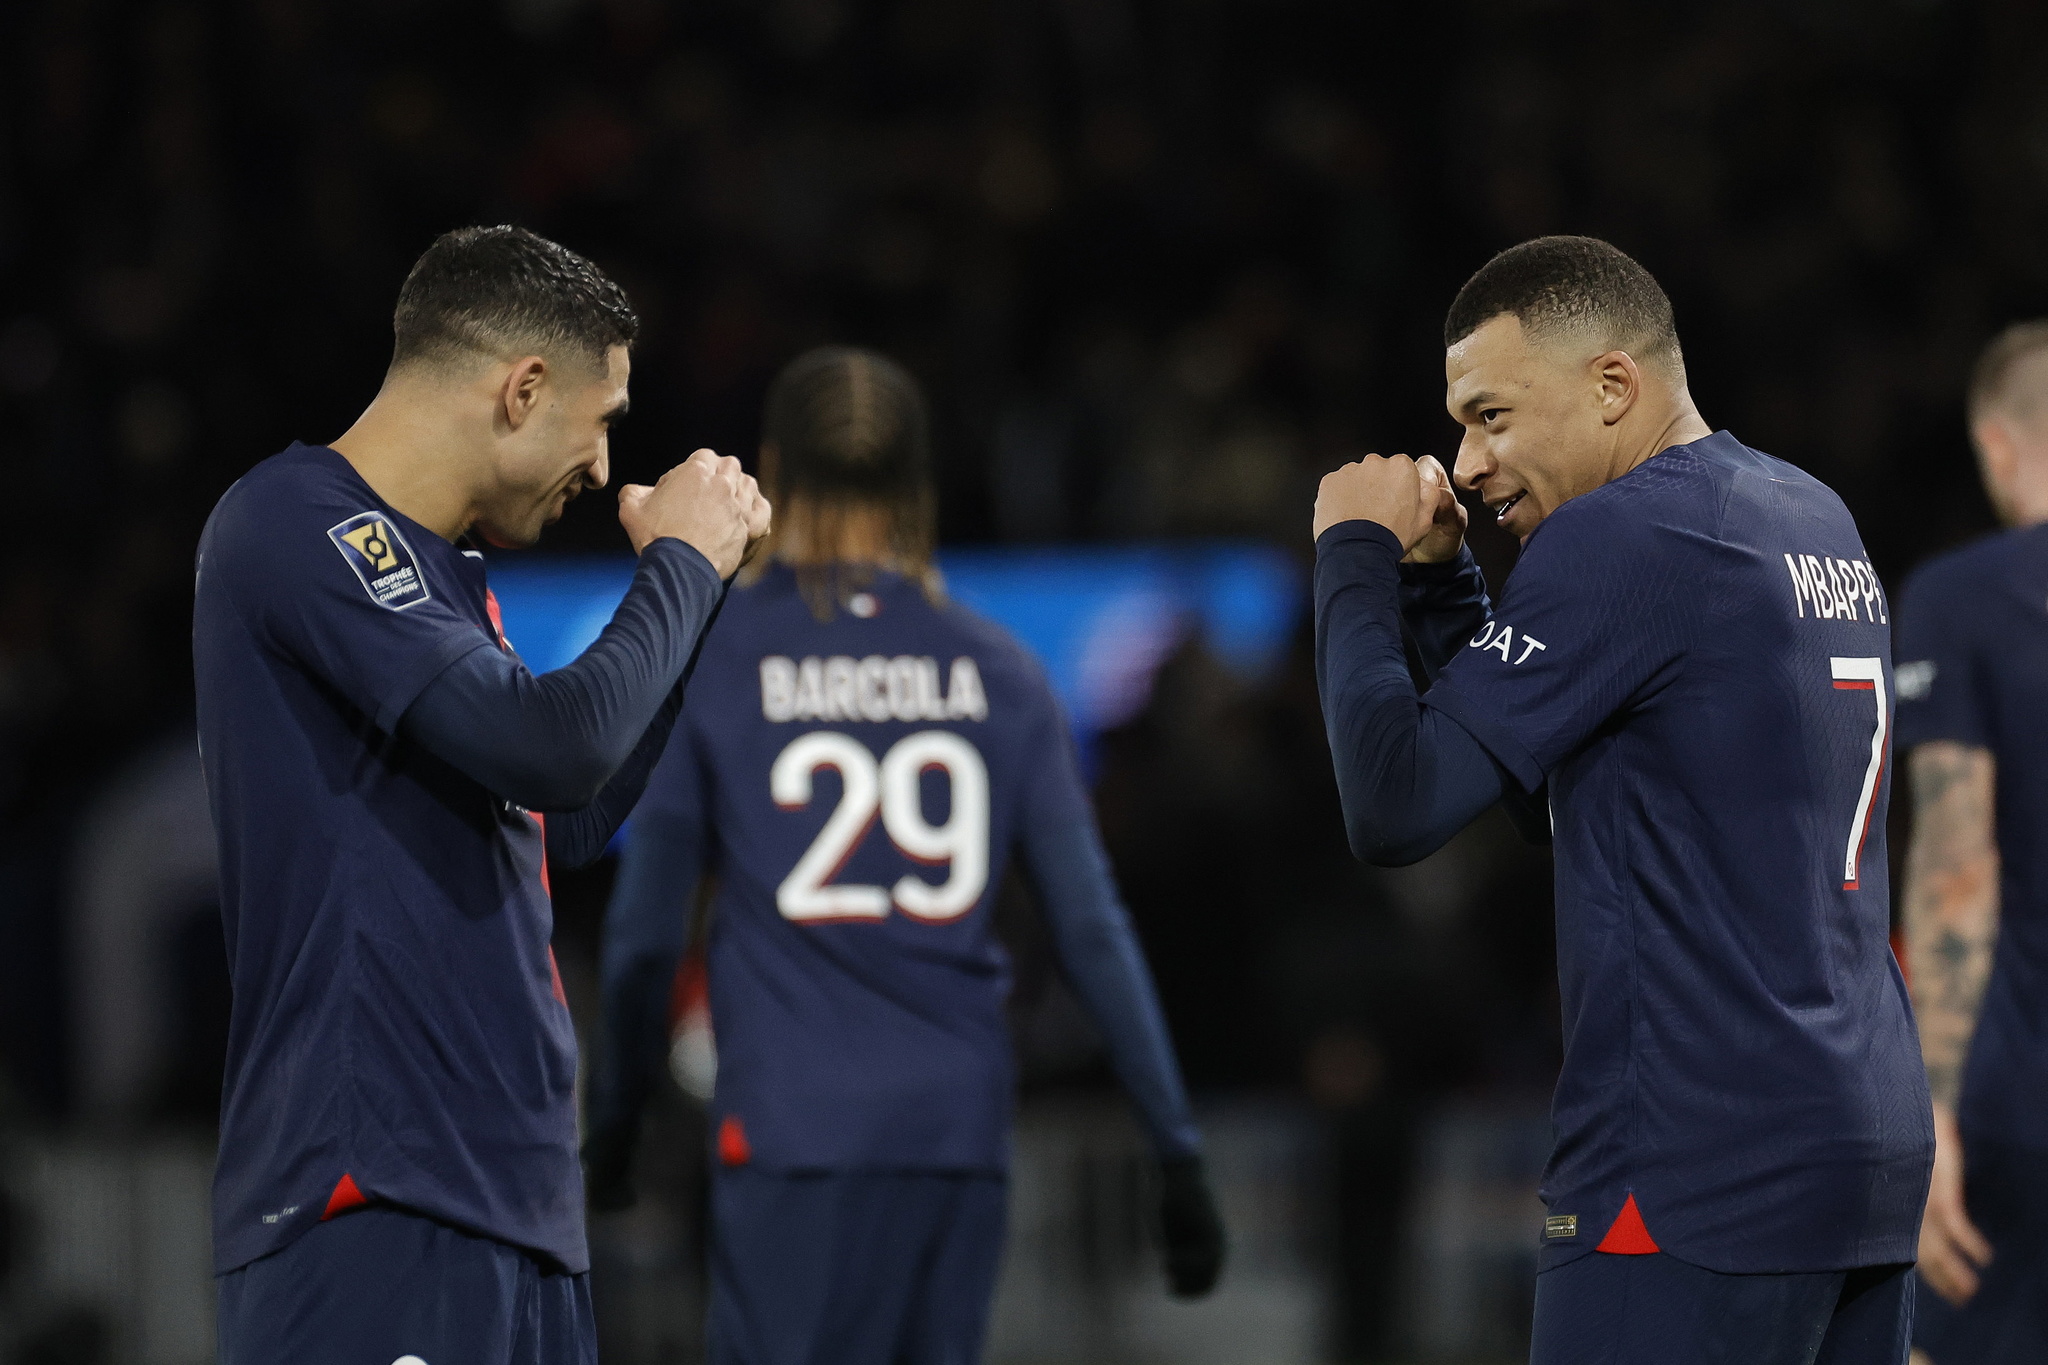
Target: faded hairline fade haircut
(1999, 382)
(497, 292)
(1582, 285)
(849, 434)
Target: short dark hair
(1991, 379)
(498, 290)
(1555, 284)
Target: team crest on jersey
(377, 551)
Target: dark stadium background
(1161, 266)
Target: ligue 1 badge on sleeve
(377, 551)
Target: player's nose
(600, 471)
(1474, 465)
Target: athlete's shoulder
(299, 481)
(302, 524)
(1017, 692)
(1703, 494)
(259, 511)
(988, 641)
(1968, 572)
(1763, 489)
(1962, 611)
(285, 503)
(1696, 486)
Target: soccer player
(858, 764)
(398, 1171)
(1973, 686)
(1690, 667)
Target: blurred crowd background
(1161, 263)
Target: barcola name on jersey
(875, 688)
(1837, 589)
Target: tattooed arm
(1951, 909)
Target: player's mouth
(567, 495)
(1503, 510)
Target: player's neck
(414, 454)
(1674, 421)
(2018, 486)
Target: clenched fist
(1447, 527)
(707, 502)
(1388, 489)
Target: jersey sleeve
(343, 591)
(1443, 605)
(1063, 859)
(1591, 616)
(1939, 681)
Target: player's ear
(1618, 382)
(521, 394)
(1997, 456)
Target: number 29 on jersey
(891, 789)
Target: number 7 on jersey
(1863, 675)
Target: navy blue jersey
(397, 1020)
(859, 785)
(1973, 650)
(1696, 659)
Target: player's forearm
(1951, 904)
(1061, 855)
(1443, 606)
(1100, 958)
(552, 743)
(1110, 977)
(586, 833)
(577, 838)
(1408, 777)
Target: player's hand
(608, 1167)
(1387, 489)
(1952, 1250)
(707, 502)
(1190, 1228)
(1447, 524)
(760, 520)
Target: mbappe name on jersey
(1837, 589)
(842, 688)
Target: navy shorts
(853, 1268)
(1603, 1309)
(380, 1285)
(2006, 1323)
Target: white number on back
(803, 893)
(892, 789)
(1863, 675)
